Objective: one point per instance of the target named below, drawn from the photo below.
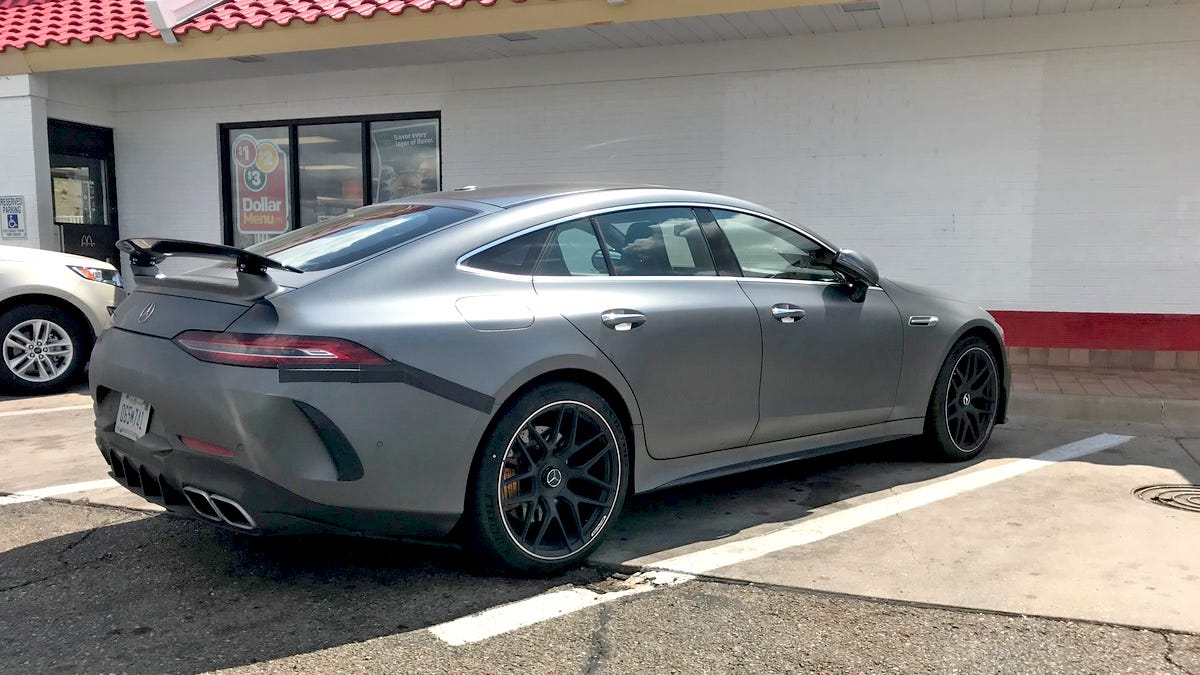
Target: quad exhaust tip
(218, 508)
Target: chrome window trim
(461, 265)
(592, 278)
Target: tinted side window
(573, 251)
(515, 256)
(656, 242)
(767, 250)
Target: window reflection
(330, 170)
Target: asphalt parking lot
(1038, 557)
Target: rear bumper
(397, 464)
(161, 477)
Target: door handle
(785, 313)
(622, 319)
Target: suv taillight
(270, 351)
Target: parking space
(97, 580)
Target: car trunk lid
(207, 298)
(165, 316)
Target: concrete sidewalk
(1168, 397)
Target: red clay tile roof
(234, 14)
(25, 23)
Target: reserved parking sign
(12, 215)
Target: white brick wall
(24, 158)
(1037, 163)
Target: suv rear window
(357, 235)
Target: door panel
(829, 363)
(693, 364)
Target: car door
(829, 363)
(686, 340)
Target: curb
(1169, 412)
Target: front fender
(926, 347)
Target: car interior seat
(645, 250)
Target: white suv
(52, 307)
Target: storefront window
(281, 176)
(261, 193)
(330, 170)
(404, 157)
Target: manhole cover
(1184, 497)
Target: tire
(28, 329)
(963, 404)
(544, 493)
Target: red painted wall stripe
(1100, 330)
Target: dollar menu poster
(261, 176)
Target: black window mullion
(226, 185)
(603, 247)
(294, 177)
(368, 193)
(722, 253)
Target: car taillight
(269, 351)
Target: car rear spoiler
(252, 279)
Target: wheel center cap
(966, 399)
(553, 477)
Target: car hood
(37, 255)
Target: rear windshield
(357, 235)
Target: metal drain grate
(1183, 497)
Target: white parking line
(61, 408)
(498, 620)
(56, 490)
(510, 617)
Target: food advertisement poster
(406, 159)
(261, 204)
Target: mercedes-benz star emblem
(146, 313)
(553, 478)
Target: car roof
(508, 196)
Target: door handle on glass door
(785, 313)
(622, 319)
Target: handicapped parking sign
(13, 209)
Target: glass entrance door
(84, 189)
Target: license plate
(133, 417)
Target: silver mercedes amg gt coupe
(507, 364)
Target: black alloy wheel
(971, 399)
(964, 401)
(560, 479)
(556, 479)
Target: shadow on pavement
(164, 594)
(717, 509)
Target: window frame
(718, 245)
(225, 131)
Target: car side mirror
(859, 269)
